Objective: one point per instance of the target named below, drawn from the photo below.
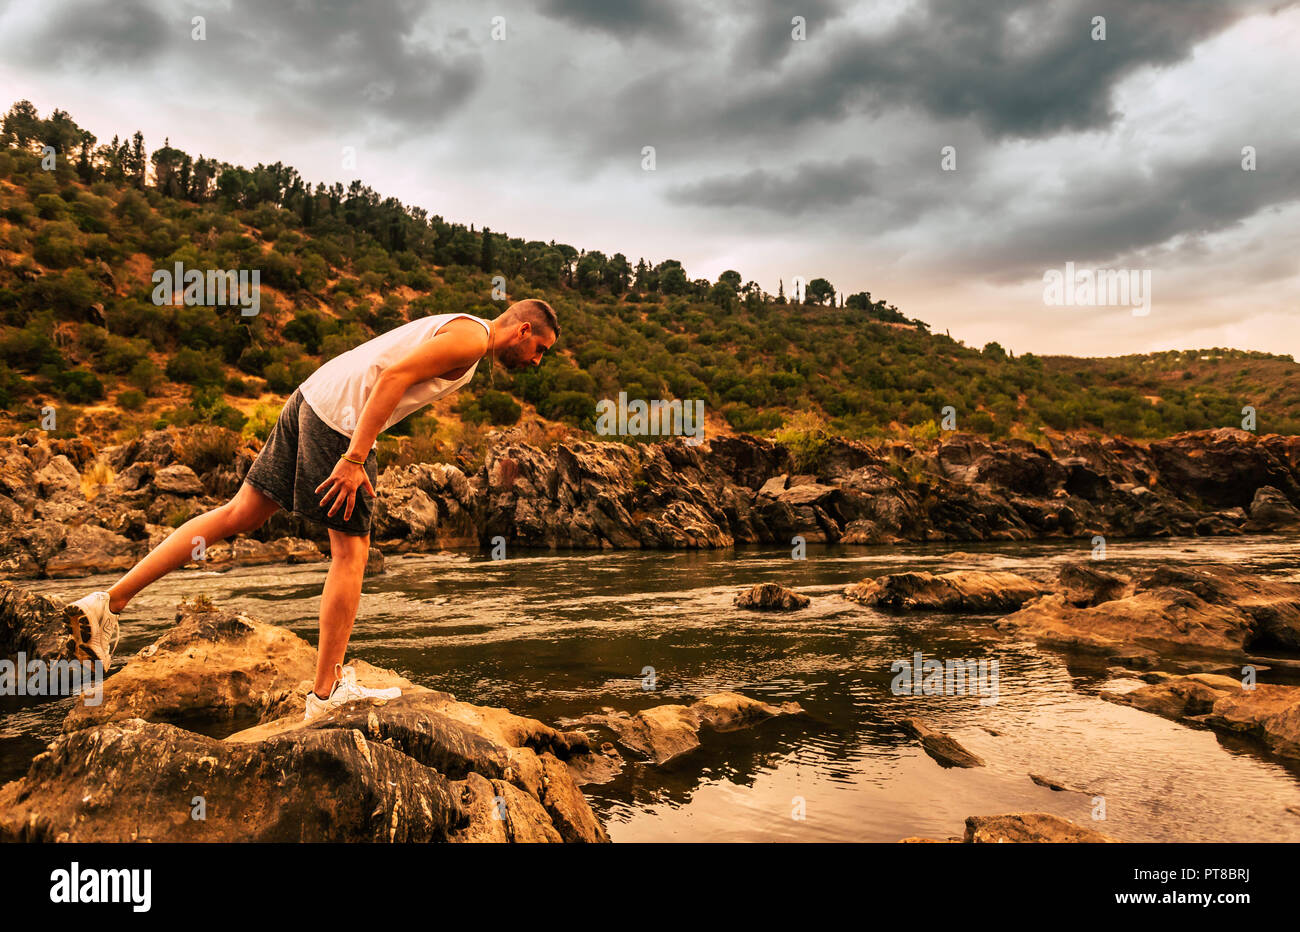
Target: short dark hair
(536, 312)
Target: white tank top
(338, 390)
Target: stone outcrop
(959, 591)
(729, 490)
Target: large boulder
(1270, 510)
(213, 666)
(958, 591)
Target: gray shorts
(298, 456)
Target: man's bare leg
(247, 511)
(338, 603)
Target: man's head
(524, 332)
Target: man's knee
(246, 514)
(345, 546)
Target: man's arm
(457, 346)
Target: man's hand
(343, 484)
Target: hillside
(80, 330)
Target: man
(319, 462)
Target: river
(555, 636)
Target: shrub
(131, 399)
(806, 437)
(194, 368)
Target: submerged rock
(1022, 828)
(1030, 827)
(1056, 785)
(940, 746)
(958, 591)
(770, 597)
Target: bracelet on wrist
(352, 461)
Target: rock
(774, 486)
(958, 591)
(1270, 510)
(31, 624)
(135, 476)
(1267, 713)
(1190, 609)
(675, 495)
(58, 475)
(422, 767)
(244, 551)
(90, 549)
(214, 665)
(1057, 785)
(177, 480)
(1085, 584)
(770, 597)
(1029, 827)
(665, 732)
(375, 562)
(940, 746)
(138, 781)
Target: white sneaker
(93, 628)
(346, 688)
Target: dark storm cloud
(765, 39)
(129, 31)
(623, 19)
(1114, 214)
(356, 58)
(1014, 68)
(810, 186)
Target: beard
(512, 357)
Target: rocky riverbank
(69, 508)
(200, 738)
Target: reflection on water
(555, 636)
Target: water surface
(556, 636)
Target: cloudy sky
(776, 156)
